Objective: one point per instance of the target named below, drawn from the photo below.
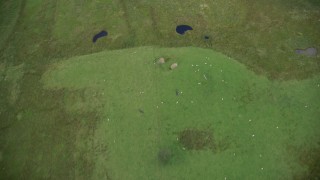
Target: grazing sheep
(161, 60)
(173, 66)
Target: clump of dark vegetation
(311, 159)
(165, 155)
(194, 139)
(177, 92)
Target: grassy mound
(251, 120)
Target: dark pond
(99, 35)
(181, 29)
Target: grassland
(253, 120)
(71, 109)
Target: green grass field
(241, 105)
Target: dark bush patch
(311, 159)
(193, 139)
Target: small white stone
(177, 139)
(252, 135)
(221, 70)
(222, 99)
(198, 69)
(197, 65)
(157, 106)
(108, 119)
(249, 120)
(192, 65)
(277, 127)
(205, 63)
(261, 168)
(181, 92)
(177, 102)
(305, 106)
(183, 148)
(210, 64)
(161, 102)
(222, 80)
(260, 155)
(199, 82)
(234, 154)
(318, 85)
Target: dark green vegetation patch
(194, 139)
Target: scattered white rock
(252, 135)
(199, 83)
(205, 77)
